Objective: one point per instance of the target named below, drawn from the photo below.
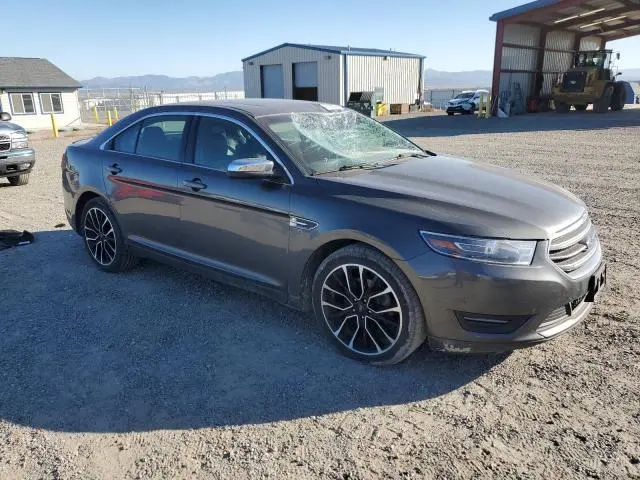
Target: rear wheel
(450, 113)
(103, 238)
(618, 98)
(367, 306)
(602, 105)
(562, 107)
(19, 180)
(580, 107)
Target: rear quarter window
(126, 141)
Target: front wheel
(103, 238)
(367, 306)
(602, 104)
(18, 180)
(580, 107)
(562, 107)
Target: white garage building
(328, 73)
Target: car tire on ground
(580, 107)
(450, 113)
(367, 306)
(602, 105)
(18, 180)
(562, 107)
(103, 238)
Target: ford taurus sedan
(323, 209)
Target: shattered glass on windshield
(327, 141)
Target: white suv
(466, 102)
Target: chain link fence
(97, 104)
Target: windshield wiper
(381, 164)
(409, 155)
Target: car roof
(258, 107)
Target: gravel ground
(163, 374)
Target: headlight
(488, 250)
(19, 141)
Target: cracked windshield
(330, 141)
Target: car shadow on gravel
(158, 348)
(446, 126)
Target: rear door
(239, 226)
(141, 171)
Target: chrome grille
(5, 143)
(573, 247)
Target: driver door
(239, 226)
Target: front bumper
(459, 109)
(11, 162)
(476, 307)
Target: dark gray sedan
(322, 208)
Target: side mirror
(250, 168)
(5, 117)
(618, 74)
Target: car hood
(8, 127)
(453, 195)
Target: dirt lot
(163, 374)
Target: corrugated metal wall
(398, 76)
(519, 59)
(560, 40)
(590, 43)
(329, 72)
(521, 34)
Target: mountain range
(434, 79)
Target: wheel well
(314, 261)
(82, 201)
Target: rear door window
(163, 137)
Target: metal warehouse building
(329, 74)
(536, 41)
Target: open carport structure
(535, 42)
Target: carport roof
(609, 19)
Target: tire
(562, 107)
(450, 114)
(109, 252)
(618, 98)
(580, 108)
(353, 321)
(602, 105)
(19, 180)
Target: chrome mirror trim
(250, 167)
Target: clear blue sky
(89, 38)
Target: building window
(51, 102)
(22, 103)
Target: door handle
(195, 184)
(114, 169)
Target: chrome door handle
(195, 184)
(114, 169)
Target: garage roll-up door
(272, 81)
(305, 81)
